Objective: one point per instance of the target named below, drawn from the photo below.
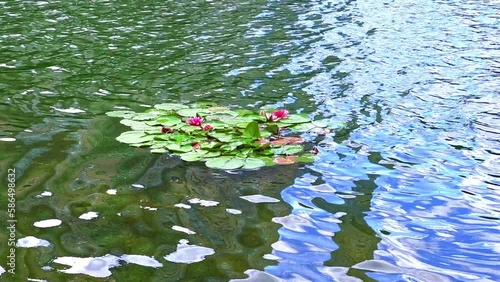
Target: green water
(104, 55)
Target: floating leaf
(134, 137)
(288, 150)
(305, 158)
(285, 160)
(288, 140)
(170, 107)
(198, 155)
(121, 114)
(137, 125)
(252, 131)
(170, 120)
(231, 146)
(218, 109)
(225, 162)
(145, 116)
(272, 128)
(221, 136)
(159, 144)
(210, 145)
(193, 112)
(253, 163)
(179, 148)
(295, 119)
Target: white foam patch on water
(138, 186)
(183, 229)
(149, 208)
(181, 205)
(259, 199)
(69, 110)
(31, 242)
(186, 253)
(96, 267)
(7, 139)
(141, 260)
(233, 211)
(44, 194)
(47, 223)
(111, 191)
(89, 215)
(204, 203)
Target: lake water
(407, 191)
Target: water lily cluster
(221, 137)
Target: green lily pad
(170, 107)
(134, 137)
(179, 148)
(225, 162)
(193, 112)
(198, 155)
(145, 116)
(252, 131)
(253, 163)
(295, 119)
(137, 125)
(170, 120)
(288, 150)
(121, 114)
(222, 136)
(305, 158)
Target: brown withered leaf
(196, 146)
(287, 141)
(285, 160)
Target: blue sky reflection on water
(423, 77)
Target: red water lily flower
(280, 114)
(207, 127)
(196, 121)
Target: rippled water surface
(407, 191)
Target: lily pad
(295, 119)
(225, 163)
(252, 131)
(288, 150)
(253, 163)
(145, 116)
(179, 148)
(285, 160)
(170, 107)
(170, 120)
(193, 112)
(121, 114)
(134, 137)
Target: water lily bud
(207, 127)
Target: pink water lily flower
(280, 114)
(196, 121)
(207, 127)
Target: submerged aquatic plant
(221, 137)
